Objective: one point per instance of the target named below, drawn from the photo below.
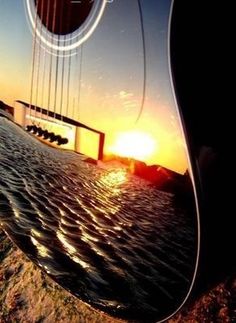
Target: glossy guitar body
(122, 231)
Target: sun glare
(134, 144)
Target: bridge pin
(29, 128)
(34, 129)
(52, 136)
(40, 132)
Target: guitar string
(68, 84)
(33, 62)
(78, 75)
(63, 67)
(77, 64)
(56, 71)
(51, 62)
(44, 62)
(144, 62)
(80, 78)
(38, 63)
(69, 71)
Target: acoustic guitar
(96, 183)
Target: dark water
(107, 236)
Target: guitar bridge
(54, 132)
(53, 128)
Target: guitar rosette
(61, 26)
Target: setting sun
(134, 144)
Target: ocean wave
(105, 235)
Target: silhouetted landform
(91, 161)
(161, 177)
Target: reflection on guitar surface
(111, 215)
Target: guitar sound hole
(62, 17)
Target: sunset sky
(106, 93)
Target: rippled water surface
(105, 235)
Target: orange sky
(107, 93)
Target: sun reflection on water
(42, 250)
(114, 178)
(71, 250)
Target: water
(105, 235)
